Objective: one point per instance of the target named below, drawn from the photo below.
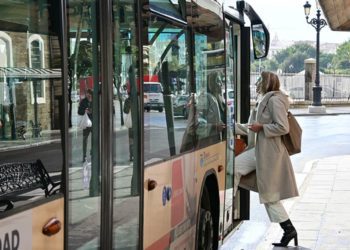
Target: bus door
(237, 41)
(103, 197)
(32, 125)
(232, 42)
(127, 168)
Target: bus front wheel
(205, 230)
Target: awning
(23, 74)
(337, 13)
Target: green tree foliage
(292, 59)
(289, 60)
(264, 64)
(83, 60)
(326, 64)
(341, 61)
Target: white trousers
(246, 163)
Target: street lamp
(318, 24)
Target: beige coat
(274, 170)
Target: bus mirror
(260, 41)
(260, 34)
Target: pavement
(321, 213)
(330, 110)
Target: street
(323, 136)
(49, 153)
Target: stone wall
(24, 109)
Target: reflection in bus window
(167, 61)
(30, 104)
(210, 109)
(152, 87)
(36, 61)
(83, 153)
(126, 126)
(259, 40)
(169, 7)
(210, 64)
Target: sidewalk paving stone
(321, 214)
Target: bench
(21, 129)
(17, 178)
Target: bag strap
(289, 114)
(266, 105)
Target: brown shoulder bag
(292, 140)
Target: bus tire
(160, 110)
(205, 230)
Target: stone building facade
(29, 88)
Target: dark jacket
(127, 105)
(85, 104)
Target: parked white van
(153, 96)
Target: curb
(321, 114)
(29, 145)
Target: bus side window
(209, 71)
(166, 66)
(31, 104)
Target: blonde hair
(269, 82)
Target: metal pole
(318, 24)
(35, 123)
(104, 26)
(317, 88)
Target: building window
(3, 53)
(5, 99)
(36, 61)
(5, 50)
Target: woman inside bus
(267, 155)
(210, 108)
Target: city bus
(163, 182)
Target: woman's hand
(255, 127)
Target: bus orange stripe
(162, 243)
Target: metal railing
(335, 88)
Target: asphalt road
(49, 153)
(323, 136)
